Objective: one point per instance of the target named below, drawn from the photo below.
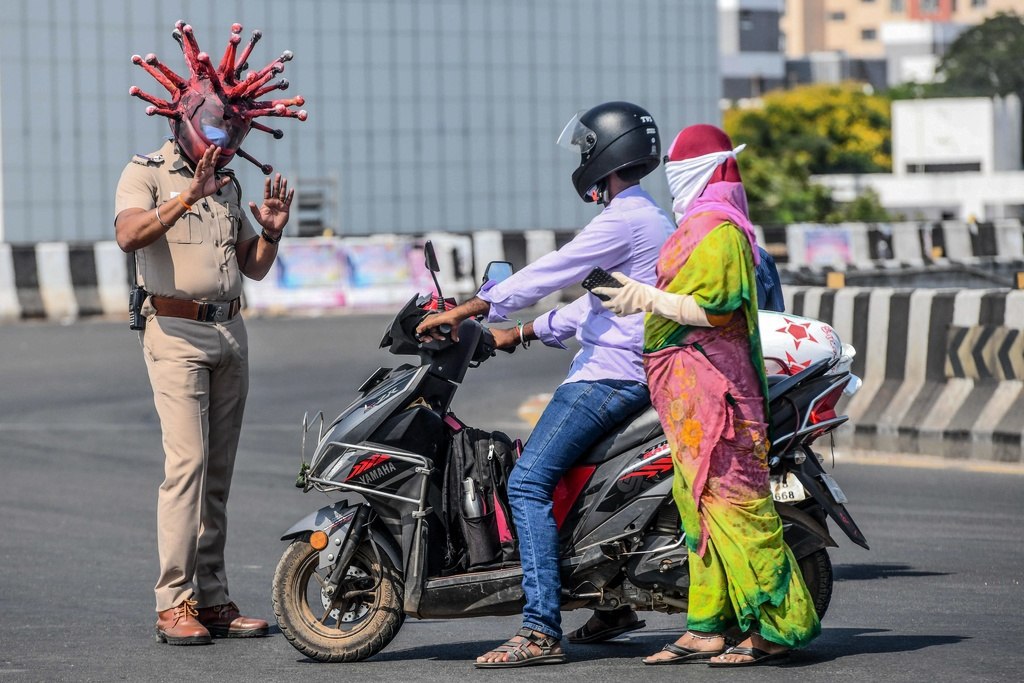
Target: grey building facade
(752, 59)
(423, 114)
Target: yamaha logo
(373, 468)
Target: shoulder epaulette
(148, 159)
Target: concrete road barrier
(941, 368)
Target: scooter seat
(640, 427)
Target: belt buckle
(211, 313)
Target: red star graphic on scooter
(798, 331)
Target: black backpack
(477, 515)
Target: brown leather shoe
(225, 621)
(178, 626)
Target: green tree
(865, 208)
(794, 134)
(985, 60)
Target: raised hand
(277, 202)
(205, 181)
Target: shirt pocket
(186, 230)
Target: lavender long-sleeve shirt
(625, 237)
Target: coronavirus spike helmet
(216, 106)
(614, 136)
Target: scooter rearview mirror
(430, 261)
(498, 271)
(430, 258)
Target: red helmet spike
(174, 78)
(136, 91)
(301, 114)
(276, 66)
(191, 50)
(265, 111)
(276, 132)
(296, 101)
(176, 34)
(226, 69)
(155, 73)
(161, 111)
(266, 168)
(280, 85)
(212, 107)
(207, 70)
(253, 82)
(240, 64)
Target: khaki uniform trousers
(200, 377)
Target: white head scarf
(688, 178)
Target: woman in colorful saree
(707, 380)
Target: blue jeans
(578, 416)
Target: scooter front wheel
(362, 618)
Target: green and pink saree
(708, 386)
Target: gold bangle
(183, 202)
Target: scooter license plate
(787, 489)
(837, 493)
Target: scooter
(353, 571)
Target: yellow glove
(636, 297)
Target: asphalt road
(937, 598)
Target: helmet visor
(208, 120)
(576, 136)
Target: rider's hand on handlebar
(428, 330)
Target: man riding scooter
(618, 144)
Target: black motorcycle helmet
(614, 136)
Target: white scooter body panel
(791, 343)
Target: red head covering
(695, 152)
(216, 105)
(701, 139)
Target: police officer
(179, 210)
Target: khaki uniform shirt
(195, 259)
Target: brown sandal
(519, 654)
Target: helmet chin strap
(598, 192)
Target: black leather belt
(202, 311)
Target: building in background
(883, 42)
(854, 27)
(954, 158)
(913, 48)
(749, 43)
(424, 115)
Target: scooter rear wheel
(339, 630)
